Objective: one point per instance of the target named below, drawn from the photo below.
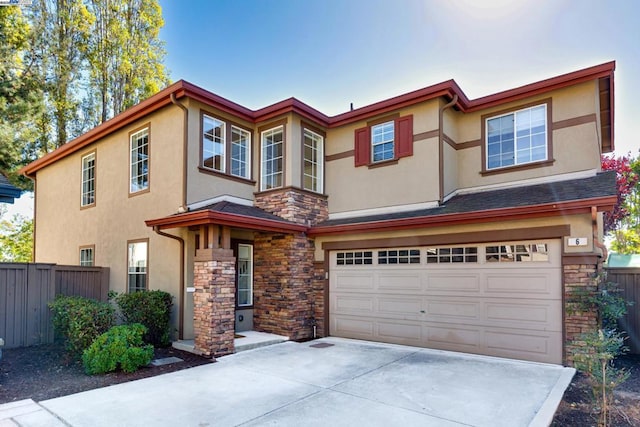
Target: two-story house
(426, 219)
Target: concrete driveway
(327, 382)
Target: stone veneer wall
(214, 302)
(286, 298)
(319, 286)
(577, 319)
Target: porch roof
(7, 191)
(228, 214)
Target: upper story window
(88, 190)
(139, 161)
(517, 138)
(272, 162)
(226, 148)
(313, 161)
(384, 140)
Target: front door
(244, 285)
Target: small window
(452, 255)
(139, 160)
(86, 256)
(272, 158)
(137, 266)
(354, 258)
(517, 253)
(240, 152)
(88, 197)
(313, 161)
(399, 256)
(517, 138)
(382, 145)
(245, 275)
(213, 144)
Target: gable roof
(181, 89)
(540, 200)
(8, 192)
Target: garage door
(499, 299)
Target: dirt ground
(45, 372)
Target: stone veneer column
(286, 300)
(579, 274)
(214, 302)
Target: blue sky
(330, 53)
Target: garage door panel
(399, 306)
(353, 327)
(354, 281)
(359, 304)
(537, 347)
(536, 315)
(458, 338)
(396, 331)
(452, 309)
(399, 281)
(509, 282)
(453, 282)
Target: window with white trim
(272, 161)
(240, 152)
(382, 142)
(86, 256)
(399, 256)
(517, 138)
(88, 196)
(354, 258)
(245, 275)
(213, 143)
(137, 254)
(139, 161)
(313, 161)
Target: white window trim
(129, 266)
(392, 141)
(87, 158)
(248, 152)
(131, 163)
(87, 249)
(223, 162)
(250, 275)
(262, 157)
(515, 139)
(319, 140)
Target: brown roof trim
(494, 215)
(222, 218)
(580, 258)
(445, 89)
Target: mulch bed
(577, 407)
(45, 372)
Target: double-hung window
(139, 161)
(517, 138)
(226, 148)
(313, 161)
(382, 142)
(88, 196)
(272, 160)
(137, 254)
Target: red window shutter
(362, 146)
(404, 136)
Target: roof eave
(517, 213)
(206, 217)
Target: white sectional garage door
(498, 299)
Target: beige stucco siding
(117, 217)
(580, 227)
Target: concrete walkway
(330, 381)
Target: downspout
(441, 147)
(181, 208)
(181, 311)
(594, 227)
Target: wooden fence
(25, 290)
(629, 281)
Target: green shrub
(79, 321)
(153, 310)
(120, 347)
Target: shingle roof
(236, 209)
(601, 185)
(7, 191)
